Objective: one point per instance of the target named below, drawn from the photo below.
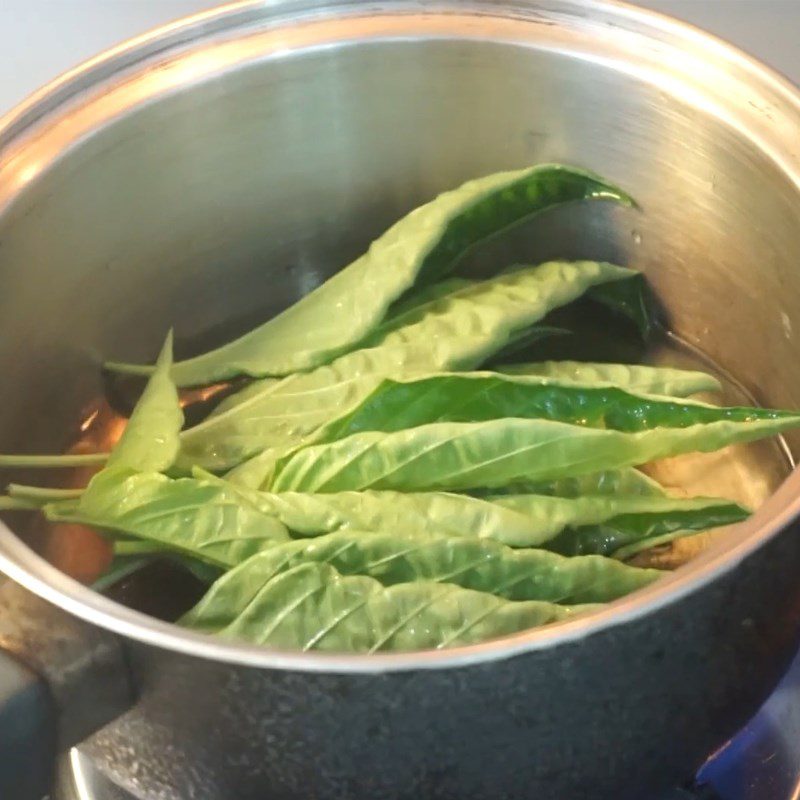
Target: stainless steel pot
(216, 170)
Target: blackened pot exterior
(208, 175)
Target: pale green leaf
(463, 456)
(516, 520)
(150, 440)
(203, 519)
(642, 379)
(314, 607)
(625, 481)
(481, 565)
(424, 245)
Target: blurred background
(41, 38)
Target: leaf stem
(57, 461)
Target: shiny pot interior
(207, 176)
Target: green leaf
(150, 440)
(633, 299)
(314, 607)
(636, 547)
(138, 547)
(646, 380)
(477, 396)
(483, 566)
(629, 531)
(413, 306)
(203, 519)
(456, 333)
(259, 471)
(633, 513)
(626, 481)
(129, 495)
(473, 455)
(423, 246)
(624, 530)
(516, 520)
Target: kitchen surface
(40, 39)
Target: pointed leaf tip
(165, 357)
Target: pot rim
(22, 565)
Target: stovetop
(761, 763)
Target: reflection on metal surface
(87, 423)
(79, 779)
(79, 551)
(201, 394)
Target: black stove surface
(696, 792)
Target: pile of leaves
(389, 479)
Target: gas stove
(761, 763)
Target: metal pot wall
(209, 174)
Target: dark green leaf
(474, 397)
(635, 530)
(632, 299)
